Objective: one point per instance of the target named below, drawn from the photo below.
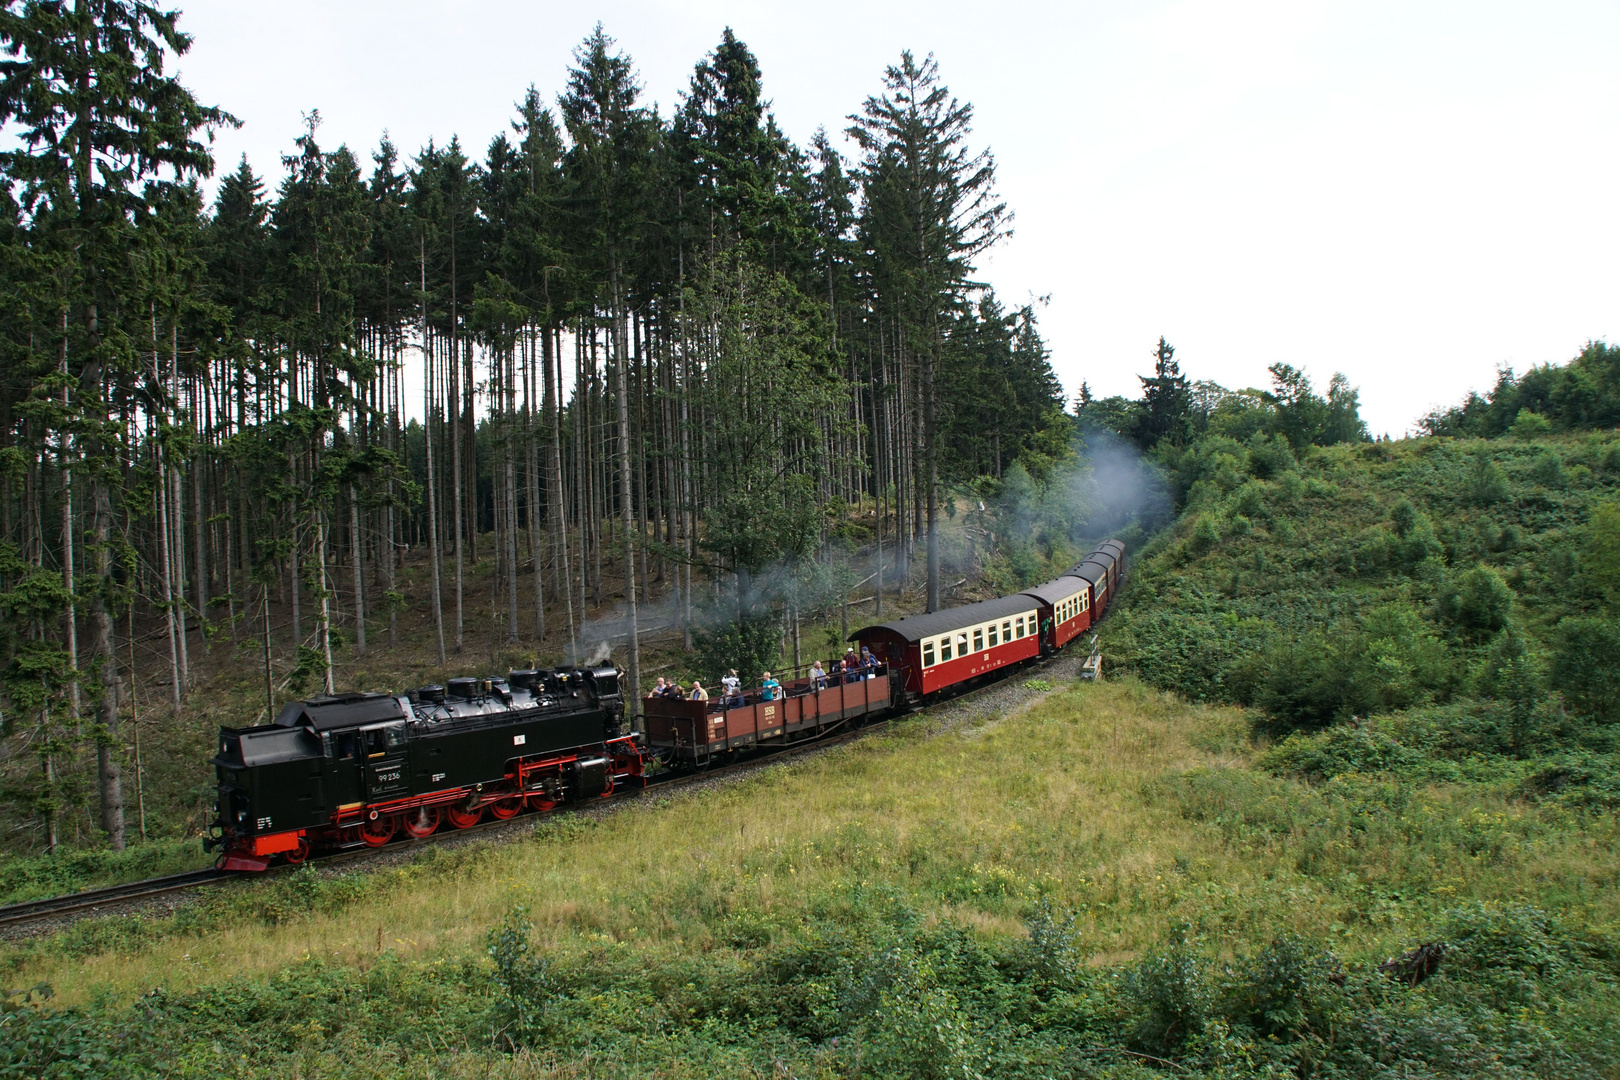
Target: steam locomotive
(362, 769)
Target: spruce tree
(100, 129)
(1166, 399)
(931, 209)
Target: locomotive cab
(271, 787)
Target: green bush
(1487, 483)
(1388, 659)
(1205, 535)
(1342, 750)
(1576, 778)
(1289, 989)
(1476, 604)
(1530, 425)
(40, 1043)
(1270, 458)
(1586, 666)
(1548, 470)
(866, 986)
(1171, 996)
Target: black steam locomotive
(360, 769)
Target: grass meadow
(1107, 864)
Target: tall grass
(1130, 810)
(1134, 809)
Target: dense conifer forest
(661, 358)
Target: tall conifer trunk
(532, 472)
(509, 494)
(627, 506)
(432, 489)
(359, 576)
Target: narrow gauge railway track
(107, 900)
(110, 896)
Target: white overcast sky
(1410, 192)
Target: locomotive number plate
(387, 776)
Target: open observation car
(696, 733)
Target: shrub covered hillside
(1453, 600)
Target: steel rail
(34, 910)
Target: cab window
(345, 744)
(380, 741)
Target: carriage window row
(986, 636)
(1071, 607)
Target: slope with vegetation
(1441, 606)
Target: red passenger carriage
(1066, 603)
(1103, 568)
(943, 648)
(1097, 576)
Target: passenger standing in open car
(770, 689)
(868, 661)
(732, 688)
(818, 676)
(698, 693)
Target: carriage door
(384, 749)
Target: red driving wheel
(541, 802)
(299, 853)
(421, 821)
(462, 818)
(378, 831)
(506, 808)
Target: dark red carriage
(1066, 605)
(931, 652)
